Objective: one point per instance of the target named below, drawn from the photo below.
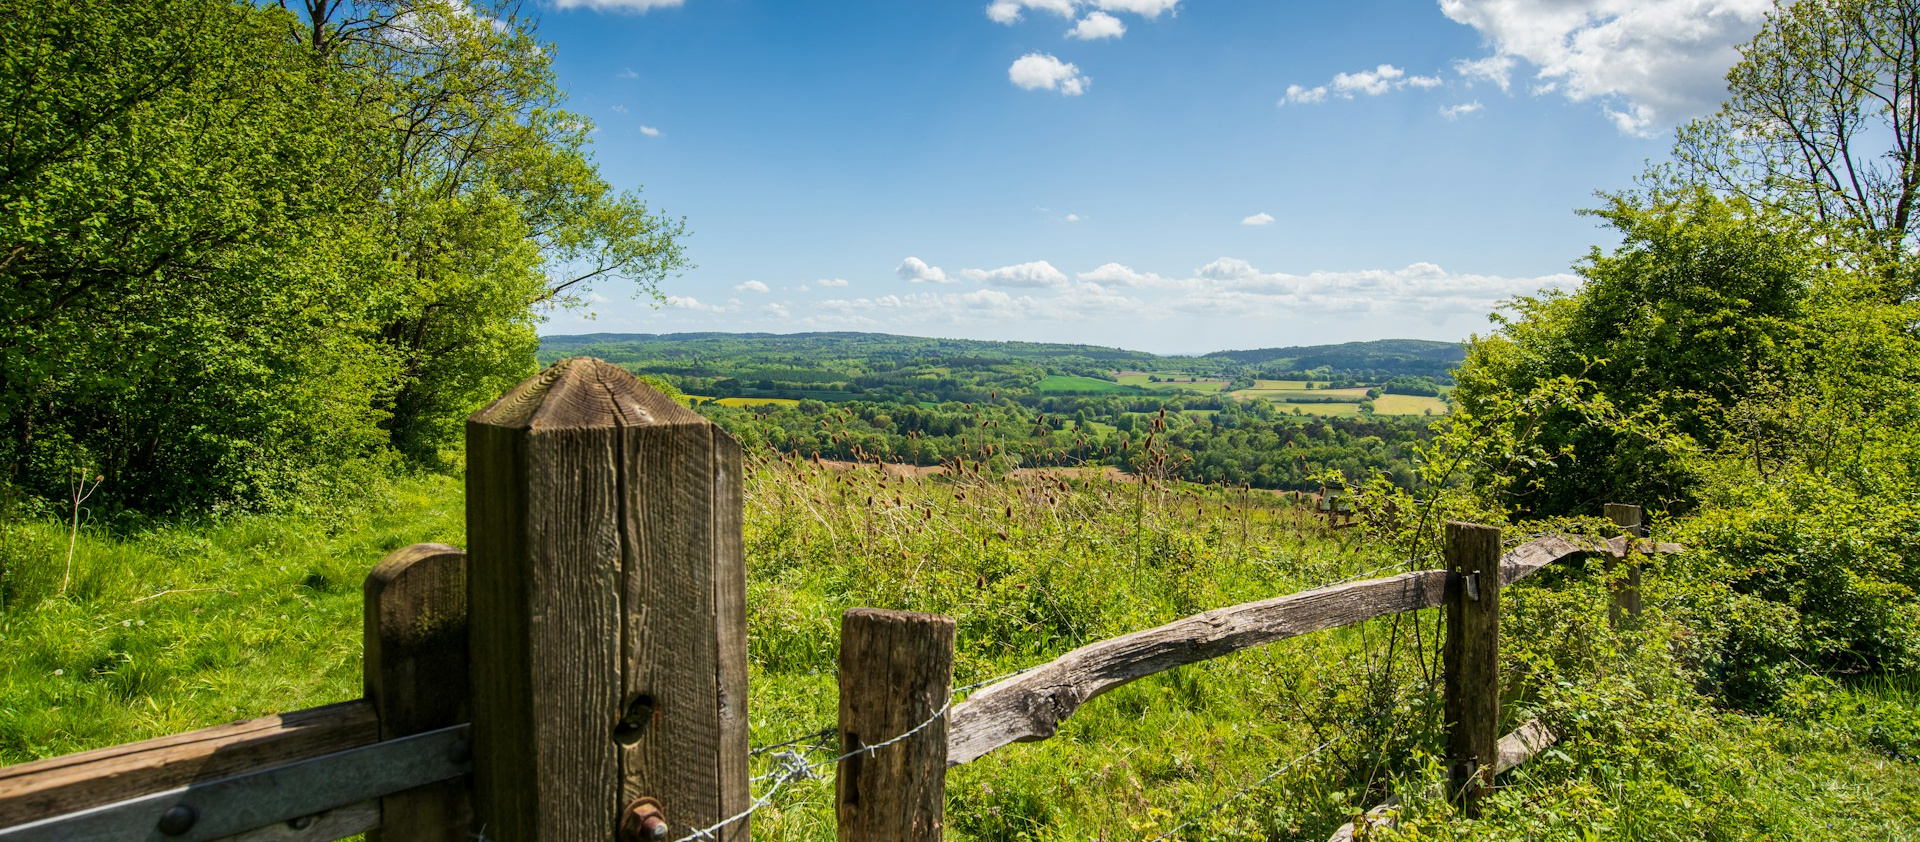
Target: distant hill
(804, 348)
(1381, 356)
(833, 366)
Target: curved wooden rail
(1031, 706)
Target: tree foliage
(244, 249)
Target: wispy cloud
(1455, 112)
(649, 131)
(617, 5)
(1261, 218)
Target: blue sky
(1163, 175)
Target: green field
(1169, 381)
(756, 401)
(1070, 383)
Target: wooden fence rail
(580, 672)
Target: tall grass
(178, 626)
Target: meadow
(170, 627)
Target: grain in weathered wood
(1626, 591)
(600, 571)
(1032, 705)
(44, 788)
(684, 649)
(415, 675)
(896, 668)
(1523, 744)
(1472, 659)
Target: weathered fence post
(607, 591)
(416, 677)
(896, 668)
(1472, 656)
(1626, 593)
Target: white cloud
(1261, 218)
(1115, 274)
(1297, 95)
(617, 5)
(695, 304)
(1038, 273)
(1496, 69)
(1636, 119)
(1073, 217)
(619, 109)
(832, 282)
(1097, 25)
(1008, 11)
(751, 286)
(649, 131)
(1148, 9)
(1370, 82)
(778, 311)
(915, 270)
(627, 73)
(1455, 112)
(1034, 71)
(1375, 82)
(1647, 62)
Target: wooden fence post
(607, 592)
(1472, 656)
(1626, 593)
(896, 669)
(416, 677)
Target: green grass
(1078, 384)
(182, 626)
(264, 617)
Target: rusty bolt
(643, 821)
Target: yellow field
(1408, 405)
(756, 401)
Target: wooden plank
(1031, 706)
(1626, 592)
(45, 788)
(288, 792)
(1525, 742)
(599, 573)
(896, 668)
(415, 637)
(1472, 659)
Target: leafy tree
(1821, 124)
(486, 200)
(177, 306)
(1698, 309)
